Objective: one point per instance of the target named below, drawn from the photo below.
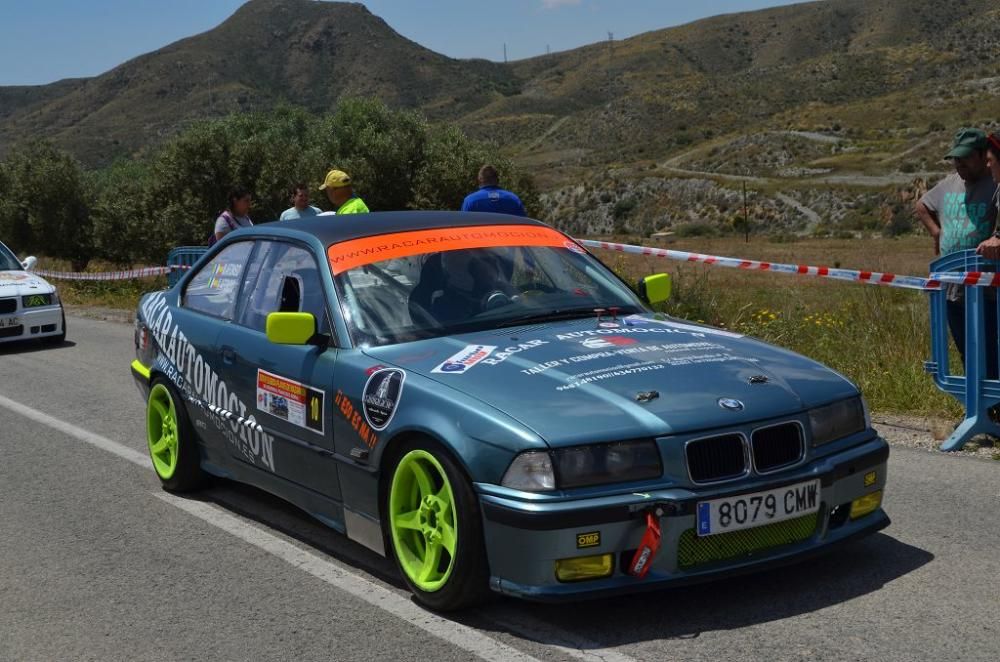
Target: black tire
(187, 474)
(61, 338)
(467, 583)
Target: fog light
(867, 504)
(585, 567)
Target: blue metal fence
(184, 257)
(974, 389)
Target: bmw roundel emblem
(730, 404)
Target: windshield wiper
(565, 314)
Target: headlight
(531, 472)
(582, 466)
(838, 420)
(39, 300)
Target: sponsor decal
(870, 478)
(368, 250)
(381, 397)
(507, 352)
(374, 368)
(671, 352)
(225, 276)
(184, 365)
(465, 359)
(573, 246)
(608, 325)
(290, 401)
(343, 404)
(591, 539)
(641, 321)
(608, 341)
(7, 275)
(610, 373)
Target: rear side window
(214, 289)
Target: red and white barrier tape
(976, 278)
(871, 277)
(145, 272)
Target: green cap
(966, 142)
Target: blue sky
(44, 40)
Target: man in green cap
(341, 194)
(959, 214)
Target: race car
(480, 398)
(29, 306)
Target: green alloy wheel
(435, 530)
(171, 443)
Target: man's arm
(930, 221)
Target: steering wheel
(534, 288)
(495, 299)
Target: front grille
(716, 458)
(693, 551)
(8, 305)
(11, 331)
(776, 447)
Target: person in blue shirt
(300, 205)
(490, 197)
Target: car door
(207, 305)
(288, 387)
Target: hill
(828, 110)
(269, 52)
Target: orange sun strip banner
(368, 250)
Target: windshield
(416, 295)
(7, 260)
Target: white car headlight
(838, 420)
(531, 472)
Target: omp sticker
(465, 359)
(290, 401)
(225, 276)
(590, 539)
(381, 397)
(870, 478)
(368, 250)
(194, 377)
(354, 418)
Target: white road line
(341, 577)
(338, 576)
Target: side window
(213, 290)
(289, 281)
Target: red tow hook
(650, 545)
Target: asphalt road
(98, 563)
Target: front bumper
(34, 323)
(525, 539)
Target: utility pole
(746, 214)
(548, 51)
(505, 52)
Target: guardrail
(979, 388)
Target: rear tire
(434, 528)
(170, 439)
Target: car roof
(334, 229)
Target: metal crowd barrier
(974, 389)
(181, 259)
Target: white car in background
(29, 305)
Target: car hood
(22, 283)
(641, 376)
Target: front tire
(435, 529)
(170, 439)
(61, 338)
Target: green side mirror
(290, 328)
(655, 288)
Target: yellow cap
(336, 179)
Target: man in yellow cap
(341, 194)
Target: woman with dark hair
(236, 215)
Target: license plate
(749, 510)
(6, 322)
